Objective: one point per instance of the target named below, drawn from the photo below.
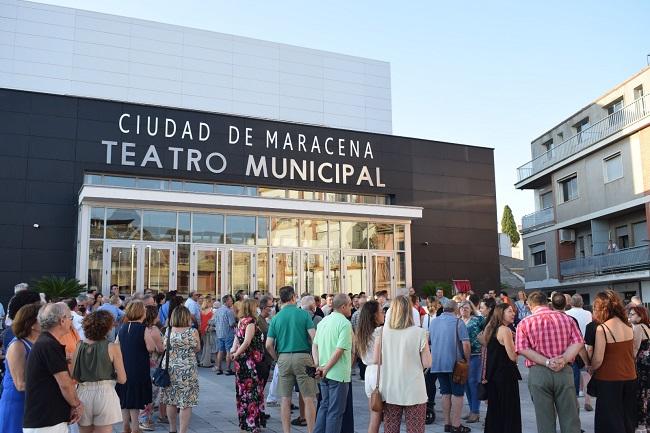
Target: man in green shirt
(289, 341)
(332, 349)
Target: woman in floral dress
(183, 392)
(249, 351)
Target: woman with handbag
(501, 373)
(614, 365)
(638, 316)
(369, 326)
(181, 345)
(151, 321)
(248, 353)
(403, 353)
(96, 366)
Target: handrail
(615, 122)
(537, 219)
(626, 260)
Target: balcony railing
(627, 260)
(537, 220)
(615, 122)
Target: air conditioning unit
(567, 235)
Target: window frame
(540, 248)
(610, 158)
(561, 182)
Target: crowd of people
(82, 364)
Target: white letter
(187, 131)
(175, 150)
(261, 167)
(354, 148)
(271, 138)
(193, 157)
(320, 172)
(379, 184)
(295, 168)
(137, 124)
(126, 131)
(151, 155)
(206, 127)
(327, 149)
(274, 167)
(368, 150)
(341, 151)
(287, 142)
(315, 145)
(172, 123)
(364, 175)
(153, 134)
(348, 171)
(249, 135)
(109, 148)
(232, 129)
(223, 159)
(301, 142)
(125, 153)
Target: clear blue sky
(494, 74)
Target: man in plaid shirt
(550, 341)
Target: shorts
(101, 403)
(447, 386)
(291, 369)
(223, 344)
(59, 428)
(370, 379)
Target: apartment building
(591, 179)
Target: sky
(495, 74)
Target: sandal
(301, 422)
(461, 429)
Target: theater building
(160, 157)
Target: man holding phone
(332, 350)
(289, 341)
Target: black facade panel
(47, 142)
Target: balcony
(615, 122)
(537, 220)
(627, 260)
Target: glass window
(284, 232)
(95, 265)
(93, 179)
(640, 233)
(125, 182)
(251, 190)
(313, 233)
(159, 226)
(123, 224)
(293, 194)
(400, 270)
(380, 236)
(272, 192)
(622, 237)
(334, 234)
(198, 187)
(354, 235)
(262, 230)
(372, 199)
(176, 185)
(538, 254)
(97, 222)
(335, 271)
(336, 197)
(263, 270)
(240, 230)
(230, 189)
(308, 195)
(569, 188)
(207, 228)
(320, 196)
(546, 200)
(150, 183)
(183, 269)
(400, 242)
(184, 225)
(613, 167)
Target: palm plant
(58, 287)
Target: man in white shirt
(576, 311)
(77, 319)
(194, 308)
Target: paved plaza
(216, 411)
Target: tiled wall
(66, 51)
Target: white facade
(67, 51)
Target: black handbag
(160, 376)
(482, 392)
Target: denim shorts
(447, 386)
(224, 344)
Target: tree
(509, 227)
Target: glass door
(355, 273)
(284, 271)
(206, 271)
(136, 267)
(314, 272)
(382, 273)
(241, 270)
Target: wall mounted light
(36, 225)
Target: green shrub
(429, 288)
(58, 287)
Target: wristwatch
(548, 361)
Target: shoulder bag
(461, 367)
(160, 376)
(482, 385)
(376, 401)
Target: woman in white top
(371, 317)
(404, 355)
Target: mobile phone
(311, 371)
